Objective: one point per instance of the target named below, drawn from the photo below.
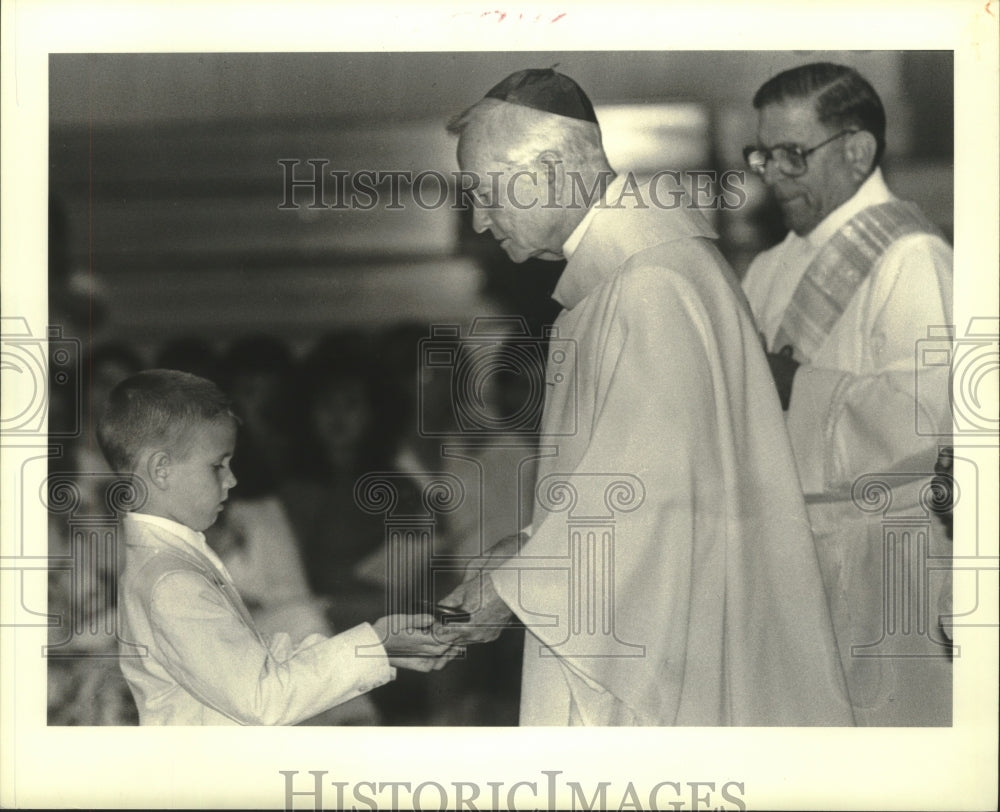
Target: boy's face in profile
(199, 477)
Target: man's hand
(783, 369)
(415, 642)
(489, 614)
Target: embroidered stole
(839, 268)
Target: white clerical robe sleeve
(215, 656)
(716, 613)
(856, 408)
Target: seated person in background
(207, 662)
(348, 436)
(258, 372)
(351, 432)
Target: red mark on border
(502, 16)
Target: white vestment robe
(866, 408)
(689, 592)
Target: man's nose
(771, 172)
(230, 481)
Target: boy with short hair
(204, 660)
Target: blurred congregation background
(169, 245)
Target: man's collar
(871, 193)
(624, 223)
(573, 240)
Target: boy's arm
(214, 655)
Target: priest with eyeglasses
(843, 303)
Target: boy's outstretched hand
(417, 642)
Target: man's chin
(515, 256)
(797, 215)
(801, 229)
(795, 222)
(519, 255)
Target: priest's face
(828, 180)
(510, 198)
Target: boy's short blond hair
(156, 409)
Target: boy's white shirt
(191, 675)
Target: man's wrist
(504, 549)
(495, 605)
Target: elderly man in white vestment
(669, 576)
(843, 303)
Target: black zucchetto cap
(544, 89)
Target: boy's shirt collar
(192, 538)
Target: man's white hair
(519, 134)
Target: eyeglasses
(789, 158)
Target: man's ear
(860, 151)
(158, 469)
(555, 174)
